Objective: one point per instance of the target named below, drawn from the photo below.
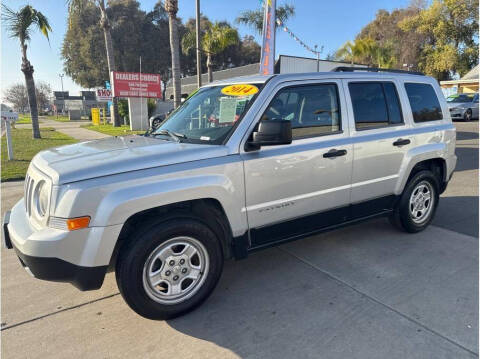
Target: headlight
(41, 198)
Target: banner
(136, 84)
(268, 45)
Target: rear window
(375, 104)
(424, 102)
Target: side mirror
(271, 133)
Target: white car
(243, 164)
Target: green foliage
(450, 28)
(215, 38)
(151, 105)
(123, 108)
(440, 40)
(19, 23)
(254, 18)
(24, 149)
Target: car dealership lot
(366, 291)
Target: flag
(267, 58)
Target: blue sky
(326, 23)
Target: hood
(457, 104)
(115, 155)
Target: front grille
(29, 185)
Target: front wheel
(418, 203)
(169, 268)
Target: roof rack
(374, 69)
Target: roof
(472, 74)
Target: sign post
(7, 119)
(268, 44)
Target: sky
(327, 23)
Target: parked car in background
(463, 106)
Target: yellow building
(467, 84)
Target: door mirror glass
(270, 133)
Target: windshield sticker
(228, 109)
(205, 138)
(240, 90)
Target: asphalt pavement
(367, 291)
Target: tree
(360, 51)
(17, 96)
(450, 30)
(19, 24)
(385, 31)
(171, 6)
(215, 39)
(254, 18)
(78, 5)
(44, 96)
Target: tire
(137, 270)
(402, 217)
(467, 117)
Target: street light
(63, 93)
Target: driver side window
(313, 110)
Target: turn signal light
(77, 223)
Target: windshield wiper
(175, 135)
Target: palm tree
(216, 38)
(171, 6)
(254, 18)
(360, 50)
(77, 5)
(19, 24)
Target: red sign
(104, 95)
(135, 84)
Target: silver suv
(242, 165)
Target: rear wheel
(170, 268)
(418, 203)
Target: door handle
(335, 153)
(401, 142)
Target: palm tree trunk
(210, 67)
(27, 70)
(174, 46)
(110, 59)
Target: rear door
(475, 106)
(379, 145)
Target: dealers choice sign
(135, 84)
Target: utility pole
(199, 58)
(318, 58)
(63, 93)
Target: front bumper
(78, 257)
(457, 113)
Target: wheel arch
(209, 211)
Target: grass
(112, 131)
(60, 118)
(23, 119)
(24, 148)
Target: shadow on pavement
(463, 135)
(459, 214)
(467, 159)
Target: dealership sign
(104, 95)
(135, 84)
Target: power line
(298, 40)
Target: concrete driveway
(366, 291)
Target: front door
(298, 188)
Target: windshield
(210, 114)
(460, 98)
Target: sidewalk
(71, 129)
